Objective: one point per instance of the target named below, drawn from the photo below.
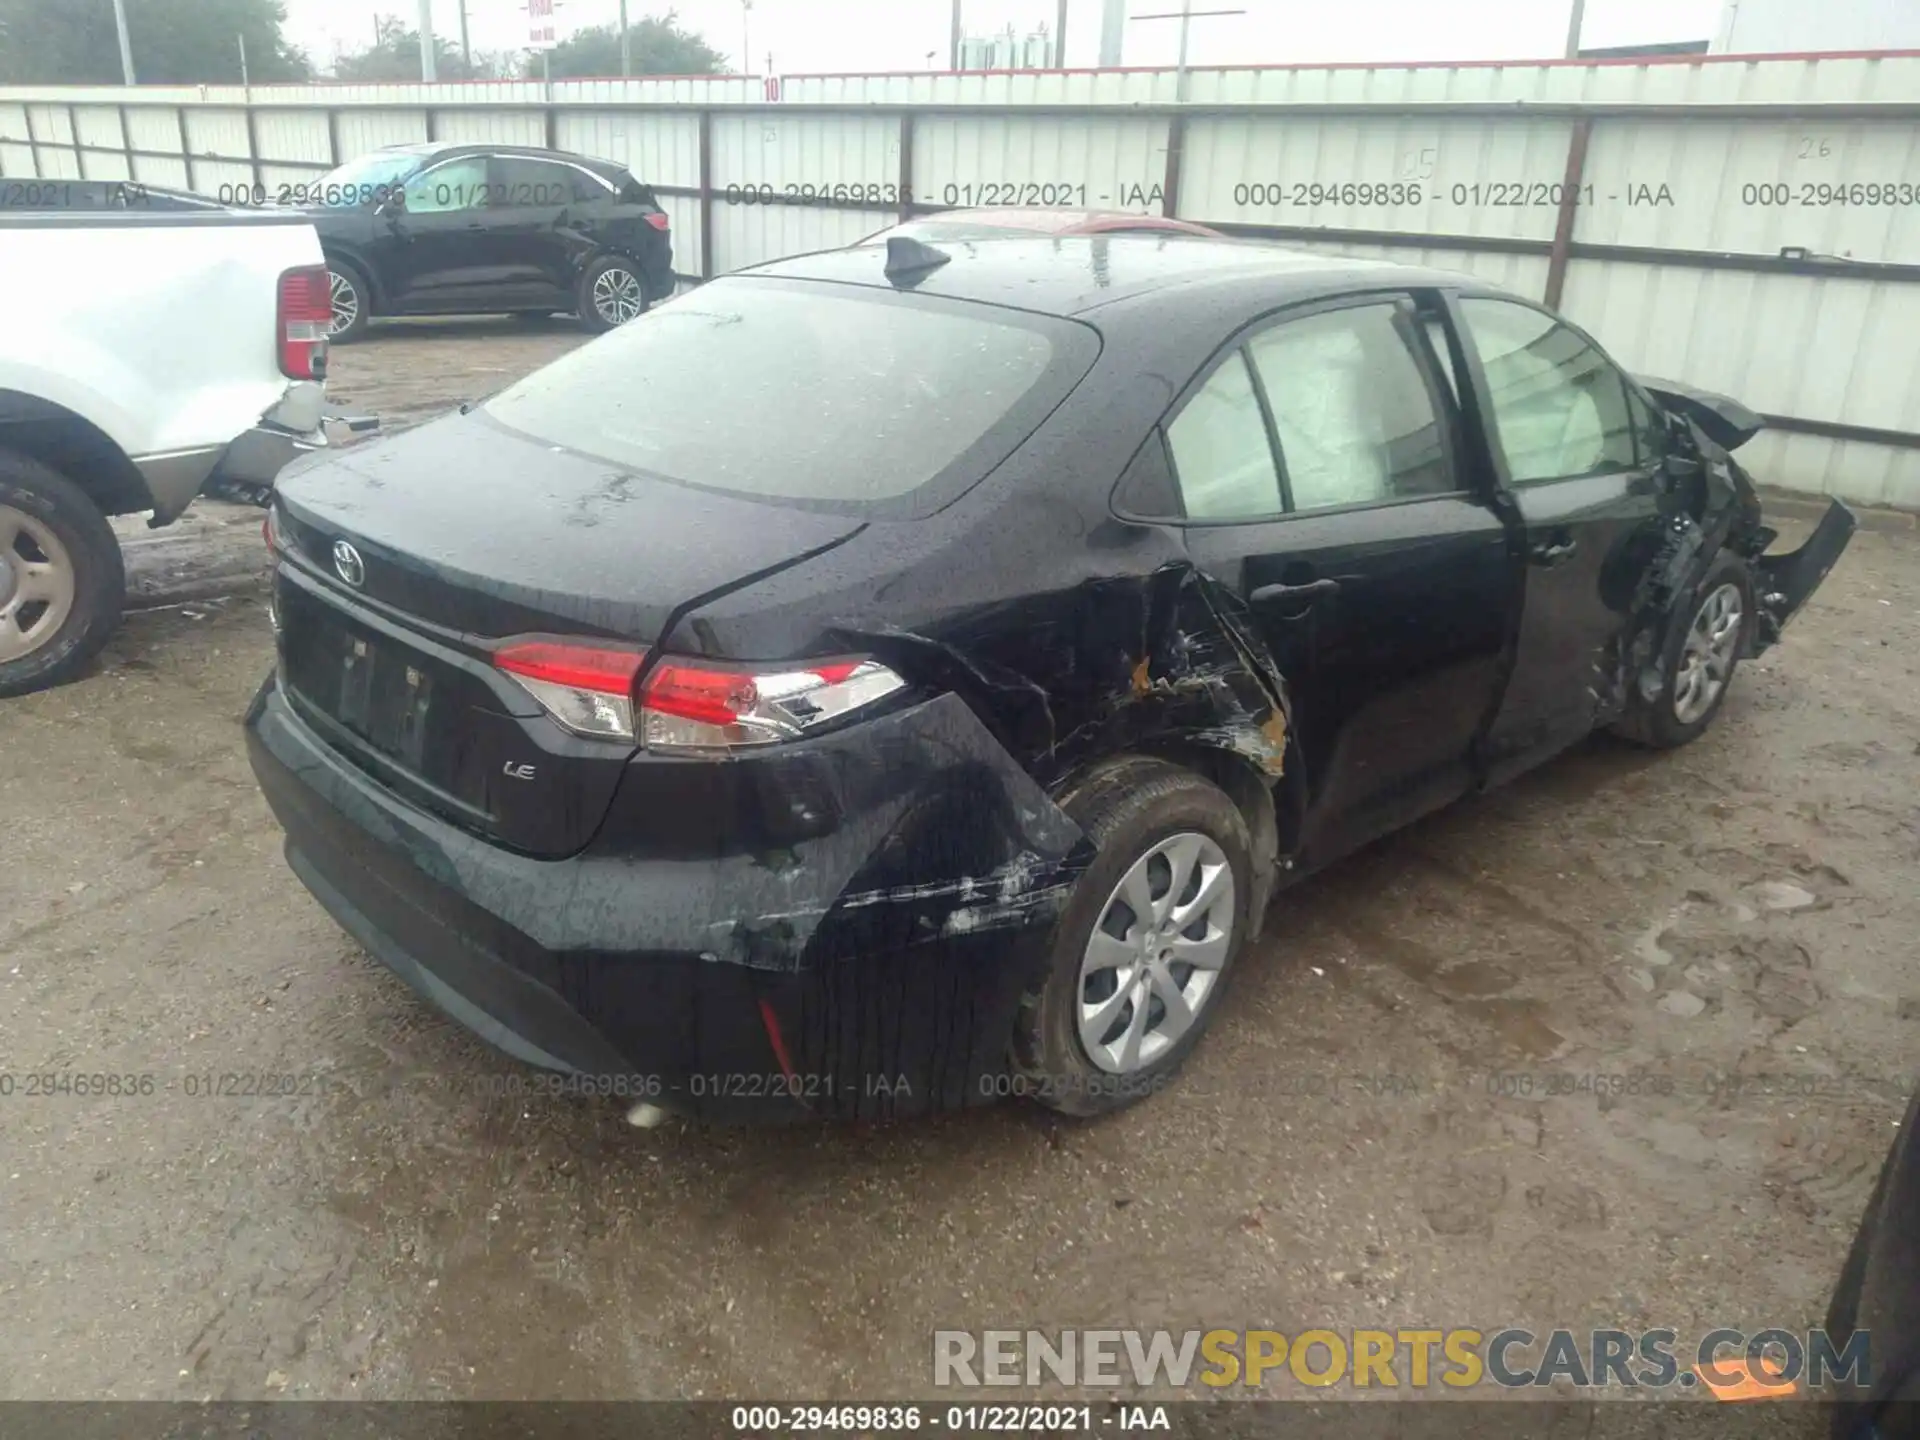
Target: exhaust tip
(646, 1116)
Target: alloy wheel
(1708, 653)
(617, 296)
(37, 584)
(1156, 953)
(346, 302)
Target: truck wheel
(611, 293)
(62, 582)
(1696, 668)
(1144, 947)
(352, 302)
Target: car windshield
(829, 396)
(359, 181)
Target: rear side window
(827, 396)
(1559, 406)
(521, 182)
(1221, 455)
(1351, 408)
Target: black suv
(441, 229)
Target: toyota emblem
(348, 564)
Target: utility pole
(626, 44)
(244, 81)
(1060, 36)
(746, 36)
(1186, 15)
(1113, 29)
(953, 43)
(126, 45)
(466, 50)
(427, 68)
(1573, 29)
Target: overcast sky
(827, 35)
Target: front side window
(457, 185)
(1222, 458)
(1351, 408)
(1559, 407)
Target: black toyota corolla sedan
(898, 677)
(444, 229)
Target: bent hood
(1723, 420)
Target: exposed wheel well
(77, 448)
(1271, 812)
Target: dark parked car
(999, 223)
(473, 229)
(1879, 1295)
(882, 681)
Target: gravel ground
(1367, 1137)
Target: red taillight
(587, 688)
(683, 705)
(658, 220)
(711, 697)
(581, 666)
(306, 315)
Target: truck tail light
(306, 315)
(689, 707)
(658, 220)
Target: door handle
(1560, 547)
(1310, 591)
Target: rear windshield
(832, 397)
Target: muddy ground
(1352, 1146)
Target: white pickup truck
(142, 354)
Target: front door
(1377, 575)
(440, 256)
(1559, 424)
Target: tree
(660, 47)
(174, 42)
(395, 55)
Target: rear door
(543, 212)
(1560, 429)
(1324, 482)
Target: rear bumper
(1783, 583)
(289, 429)
(285, 433)
(859, 992)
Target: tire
(346, 277)
(1677, 715)
(1129, 809)
(78, 586)
(605, 302)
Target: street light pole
(1573, 28)
(427, 68)
(626, 44)
(126, 45)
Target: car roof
(608, 168)
(1074, 274)
(1046, 221)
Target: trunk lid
(405, 561)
